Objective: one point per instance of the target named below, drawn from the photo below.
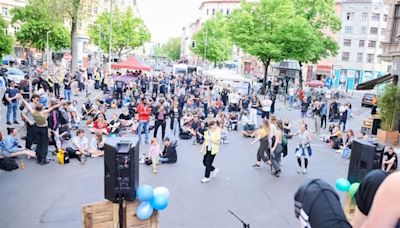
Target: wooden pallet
(349, 207)
(105, 215)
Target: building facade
(363, 29)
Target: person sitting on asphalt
(114, 125)
(96, 148)
(193, 128)
(125, 118)
(389, 161)
(88, 110)
(10, 147)
(99, 125)
(249, 129)
(169, 154)
(335, 139)
(79, 147)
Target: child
(233, 121)
(154, 154)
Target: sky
(166, 18)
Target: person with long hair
(303, 150)
(277, 148)
(40, 116)
(264, 148)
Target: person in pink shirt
(154, 154)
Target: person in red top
(99, 125)
(301, 94)
(144, 111)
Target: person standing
(291, 97)
(303, 109)
(272, 97)
(144, 112)
(343, 116)
(160, 114)
(67, 88)
(11, 95)
(254, 105)
(324, 114)
(30, 122)
(40, 116)
(264, 150)
(175, 115)
(210, 148)
(266, 107)
(303, 151)
(277, 149)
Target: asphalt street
(51, 196)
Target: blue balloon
(144, 210)
(159, 202)
(144, 193)
(342, 184)
(161, 191)
(113, 135)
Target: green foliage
(128, 31)
(389, 107)
(6, 41)
(36, 21)
(212, 40)
(320, 13)
(172, 48)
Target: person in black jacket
(169, 154)
(160, 113)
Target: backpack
(316, 204)
(62, 157)
(4, 100)
(8, 164)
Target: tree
(6, 41)
(212, 41)
(172, 48)
(320, 14)
(259, 29)
(35, 22)
(128, 31)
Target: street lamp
(47, 48)
(109, 47)
(100, 31)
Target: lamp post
(109, 47)
(99, 50)
(47, 49)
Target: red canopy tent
(131, 63)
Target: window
(365, 16)
(361, 43)
(359, 57)
(383, 31)
(349, 16)
(385, 18)
(213, 11)
(4, 11)
(396, 23)
(373, 30)
(348, 29)
(363, 30)
(347, 42)
(372, 43)
(370, 58)
(95, 10)
(345, 56)
(227, 11)
(207, 12)
(376, 16)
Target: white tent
(226, 75)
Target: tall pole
(99, 45)
(47, 49)
(205, 48)
(109, 47)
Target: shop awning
(372, 83)
(131, 63)
(323, 70)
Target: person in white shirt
(96, 148)
(248, 125)
(291, 97)
(266, 107)
(79, 146)
(234, 101)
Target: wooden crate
(105, 215)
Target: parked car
(315, 84)
(367, 99)
(13, 74)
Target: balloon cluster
(344, 185)
(151, 199)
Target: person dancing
(210, 148)
(303, 150)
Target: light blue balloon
(159, 202)
(113, 135)
(342, 184)
(161, 191)
(144, 193)
(144, 210)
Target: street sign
(329, 83)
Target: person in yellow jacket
(210, 148)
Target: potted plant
(389, 108)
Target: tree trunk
(264, 84)
(301, 75)
(74, 41)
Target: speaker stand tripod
(245, 225)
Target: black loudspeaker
(121, 168)
(365, 157)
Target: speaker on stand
(121, 170)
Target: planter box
(390, 138)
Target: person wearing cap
(169, 154)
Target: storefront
(350, 78)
